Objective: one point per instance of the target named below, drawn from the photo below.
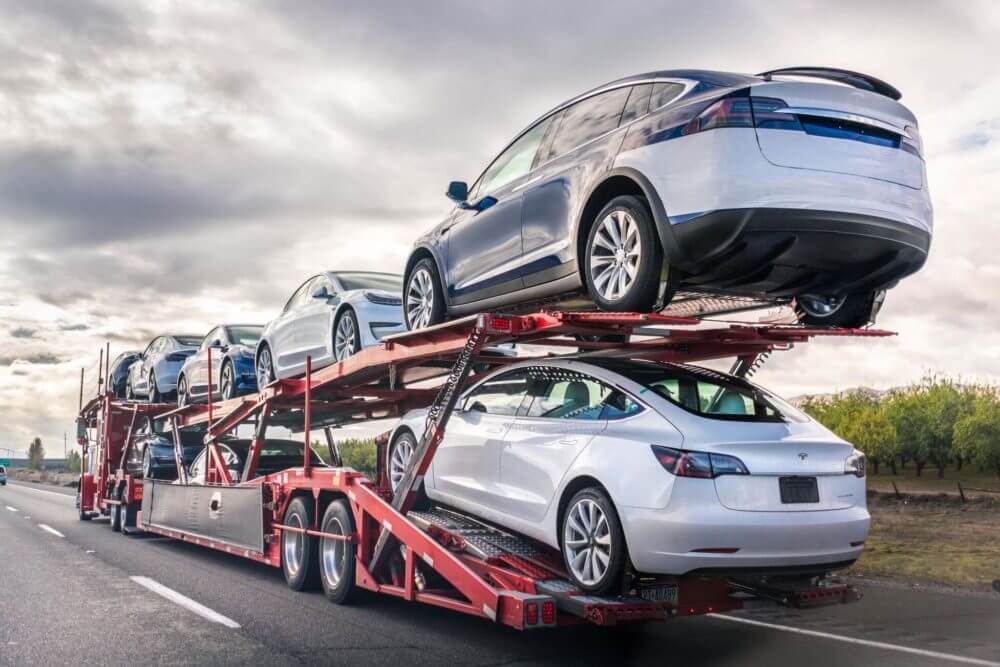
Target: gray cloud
(23, 332)
(42, 358)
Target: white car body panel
(665, 518)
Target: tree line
(936, 422)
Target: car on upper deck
(154, 375)
(231, 347)
(804, 186)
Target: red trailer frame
(401, 552)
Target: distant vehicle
(3, 476)
(329, 317)
(119, 371)
(233, 374)
(154, 376)
(152, 452)
(811, 193)
(674, 469)
(276, 455)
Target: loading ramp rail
(437, 556)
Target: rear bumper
(783, 252)
(667, 541)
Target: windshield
(246, 336)
(361, 280)
(188, 341)
(709, 393)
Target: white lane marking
(185, 602)
(11, 509)
(861, 642)
(50, 529)
(51, 493)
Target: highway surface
(73, 592)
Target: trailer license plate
(799, 490)
(665, 593)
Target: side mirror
(321, 293)
(217, 343)
(458, 191)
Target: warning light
(549, 612)
(531, 613)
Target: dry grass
(933, 539)
(908, 482)
(44, 477)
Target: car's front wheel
(154, 393)
(423, 300)
(265, 368)
(593, 544)
(346, 335)
(623, 260)
(228, 381)
(182, 392)
(851, 311)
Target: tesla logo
(803, 456)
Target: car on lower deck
(151, 455)
(3, 476)
(803, 186)
(673, 469)
(330, 317)
(232, 348)
(275, 455)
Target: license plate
(664, 593)
(798, 490)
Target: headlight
(383, 300)
(855, 464)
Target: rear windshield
(189, 341)
(360, 280)
(710, 394)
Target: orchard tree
(977, 435)
(73, 461)
(874, 434)
(905, 408)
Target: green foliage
(357, 453)
(977, 433)
(36, 455)
(73, 462)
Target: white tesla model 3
(677, 469)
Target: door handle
(568, 441)
(495, 430)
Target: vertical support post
(100, 369)
(128, 438)
(253, 456)
(81, 390)
(178, 452)
(107, 366)
(210, 420)
(331, 446)
(307, 450)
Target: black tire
(182, 393)
(336, 557)
(227, 383)
(127, 515)
(640, 294)
(349, 318)
(610, 581)
(116, 521)
(154, 393)
(416, 286)
(84, 516)
(856, 311)
(304, 573)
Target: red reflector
(501, 323)
(549, 613)
(531, 613)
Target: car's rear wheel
(346, 335)
(623, 259)
(850, 311)
(265, 368)
(298, 550)
(154, 393)
(398, 460)
(228, 381)
(423, 300)
(182, 392)
(593, 544)
(336, 557)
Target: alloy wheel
(615, 255)
(587, 541)
(344, 337)
(228, 383)
(398, 462)
(333, 554)
(294, 545)
(182, 397)
(819, 306)
(420, 299)
(265, 370)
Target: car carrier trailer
(332, 523)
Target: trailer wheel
(84, 516)
(336, 557)
(298, 550)
(126, 516)
(116, 521)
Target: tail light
(549, 612)
(911, 142)
(856, 465)
(531, 613)
(698, 464)
(762, 112)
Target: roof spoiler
(856, 79)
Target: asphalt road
(74, 592)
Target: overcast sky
(165, 167)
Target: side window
(638, 103)
(588, 119)
(514, 162)
(501, 395)
(209, 337)
(562, 395)
(299, 297)
(664, 92)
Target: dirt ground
(934, 539)
(44, 477)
